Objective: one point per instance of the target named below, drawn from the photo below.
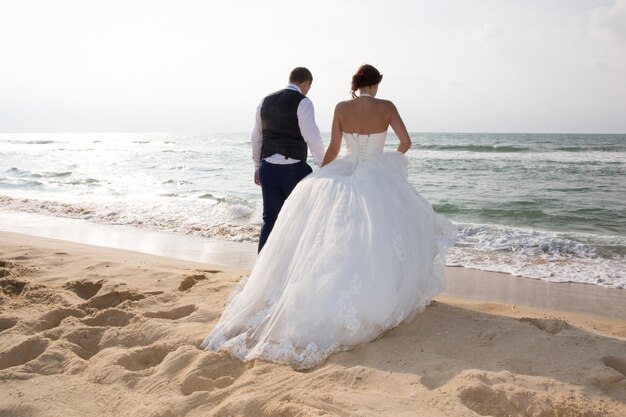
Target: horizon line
(323, 132)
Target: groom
(285, 126)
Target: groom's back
(279, 114)
(280, 126)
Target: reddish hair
(365, 76)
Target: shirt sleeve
(257, 137)
(309, 130)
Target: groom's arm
(257, 142)
(309, 130)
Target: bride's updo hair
(365, 76)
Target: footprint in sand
(84, 342)
(112, 299)
(214, 370)
(84, 289)
(486, 400)
(173, 314)
(11, 286)
(189, 281)
(482, 399)
(6, 323)
(612, 379)
(6, 269)
(618, 364)
(142, 358)
(112, 317)
(23, 352)
(54, 318)
(552, 326)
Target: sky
(203, 66)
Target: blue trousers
(277, 182)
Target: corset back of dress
(363, 147)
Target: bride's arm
(400, 130)
(335, 140)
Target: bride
(355, 250)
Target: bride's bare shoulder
(342, 105)
(390, 108)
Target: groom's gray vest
(279, 121)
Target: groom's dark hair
(299, 75)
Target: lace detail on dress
(244, 348)
(285, 352)
(345, 307)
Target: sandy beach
(94, 331)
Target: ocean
(544, 206)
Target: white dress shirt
(308, 128)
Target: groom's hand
(257, 181)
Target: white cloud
(608, 24)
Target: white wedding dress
(355, 251)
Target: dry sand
(89, 331)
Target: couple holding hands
(346, 252)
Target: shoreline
(91, 331)
(461, 282)
(185, 247)
(239, 238)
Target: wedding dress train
(355, 251)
